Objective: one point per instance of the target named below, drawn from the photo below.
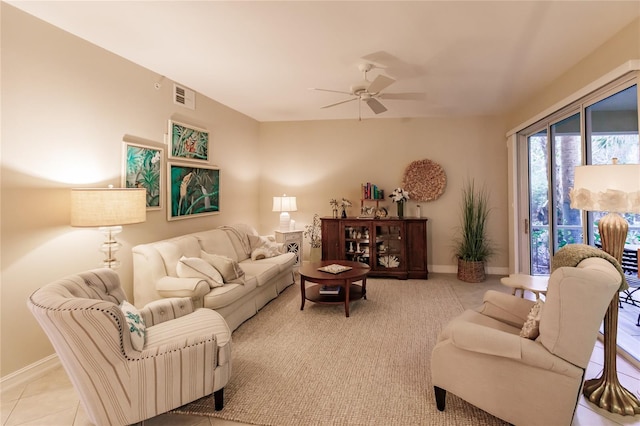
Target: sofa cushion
(263, 272)
(195, 267)
(216, 241)
(135, 323)
(220, 297)
(228, 268)
(285, 261)
(172, 250)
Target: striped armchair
(186, 353)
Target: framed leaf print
(187, 142)
(193, 191)
(143, 169)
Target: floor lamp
(108, 209)
(612, 188)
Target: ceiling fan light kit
(370, 91)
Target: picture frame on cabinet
(187, 142)
(142, 167)
(193, 191)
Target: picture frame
(192, 190)
(187, 142)
(142, 167)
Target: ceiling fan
(370, 91)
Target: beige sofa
(156, 272)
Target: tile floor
(52, 401)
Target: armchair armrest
(162, 310)
(478, 338)
(505, 308)
(194, 288)
(481, 339)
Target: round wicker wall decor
(425, 180)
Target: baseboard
(30, 372)
(453, 269)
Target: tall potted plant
(472, 246)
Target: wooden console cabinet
(391, 247)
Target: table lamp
(284, 205)
(612, 188)
(108, 209)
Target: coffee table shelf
(312, 293)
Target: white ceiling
(261, 58)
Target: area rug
(317, 367)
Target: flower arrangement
(399, 195)
(313, 232)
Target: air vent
(183, 96)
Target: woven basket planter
(471, 271)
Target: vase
(335, 213)
(400, 205)
(315, 255)
(344, 213)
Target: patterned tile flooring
(52, 401)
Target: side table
(533, 283)
(293, 242)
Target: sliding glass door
(591, 133)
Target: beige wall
(624, 46)
(66, 106)
(320, 160)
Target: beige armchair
(186, 354)
(481, 358)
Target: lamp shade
(284, 204)
(108, 206)
(607, 188)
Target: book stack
(329, 290)
(371, 192)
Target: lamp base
(110, 246)
(285, 221)
(606, 391)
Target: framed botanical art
(193, 191)
(142, 168)
(187, 142)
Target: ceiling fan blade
(380, 83)
(410, 96)
(332, 91)
(375, 105)
(338, 103)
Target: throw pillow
(135, 323)
(228, 268)
(194, 267)
(263, 247)
(531, 327)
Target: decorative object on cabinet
(108, 209)
(284, 205)
(292, 241)
(192, 191)
(472, 246)
(142, 168)
(614, 188)
(188, 142)
(391, 247)
(399, 196)
(425, 180)
(344, 203)
(381, 213)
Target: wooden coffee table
(348, 292)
